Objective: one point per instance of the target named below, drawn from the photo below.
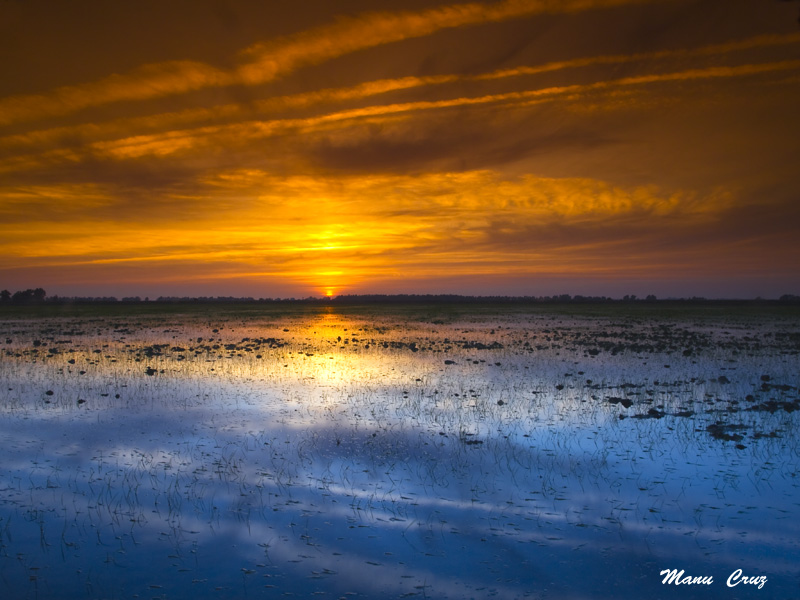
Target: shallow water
(392, 453)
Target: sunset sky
(287, 149)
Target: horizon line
(39, 296)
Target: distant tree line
(456, 299)
(557, 299)
(39, 296)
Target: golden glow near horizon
(566, 151)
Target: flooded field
(400, 452)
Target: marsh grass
(396, 451)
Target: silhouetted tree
(29, 296)
(5, 297)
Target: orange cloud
(115, 137)
(710, 50)
(265, 61)
(146, 82)
(163, 144)
(461, 223)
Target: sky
(292, 149)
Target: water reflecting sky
(397, 453)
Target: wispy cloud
(186, 140)
(121, 128)
(146, 82)
(267, 61)
(468, 218)
(761, 41)
(114, 137)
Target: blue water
(323, 469)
